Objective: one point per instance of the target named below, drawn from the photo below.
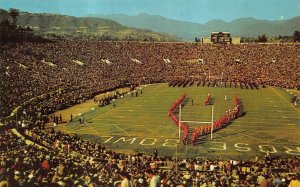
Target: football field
(141, 123)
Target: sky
(198, 11)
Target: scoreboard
(221, 37)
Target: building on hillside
(221, 38)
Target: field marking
(285, 136)
(125, 121)
(288, 133)
(248, 135)
(271, 116)
(253, 142)
(290, 104)
(254, 112)
(74, 127)
(92, 128)
(254, 126)
(152, 131)
(273, 140)
(109, 110)
(121, 129)
(206, 142)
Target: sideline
(82, 107)
(290, 104)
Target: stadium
(87, 112)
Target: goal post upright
(199, 122)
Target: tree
(14, 13)
(262, 38)
(297, 36)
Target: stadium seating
(38, 79)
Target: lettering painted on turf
(222, 146)
(108, 138)
(242, 147)
(171, 142)
(263, 148)
(293, 151)
(148, 139)
(124, 140)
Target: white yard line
(121, 129)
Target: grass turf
(140, 124)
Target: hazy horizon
(197, 11)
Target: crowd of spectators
(65, 160)
(63, 73)
(46, 77)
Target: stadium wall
(235, 40)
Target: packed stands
(37, 79)
(87, 163)
(25, 75)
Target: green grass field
(140, 124)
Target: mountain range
(87, 27)
(243, 27)
(147, 27)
